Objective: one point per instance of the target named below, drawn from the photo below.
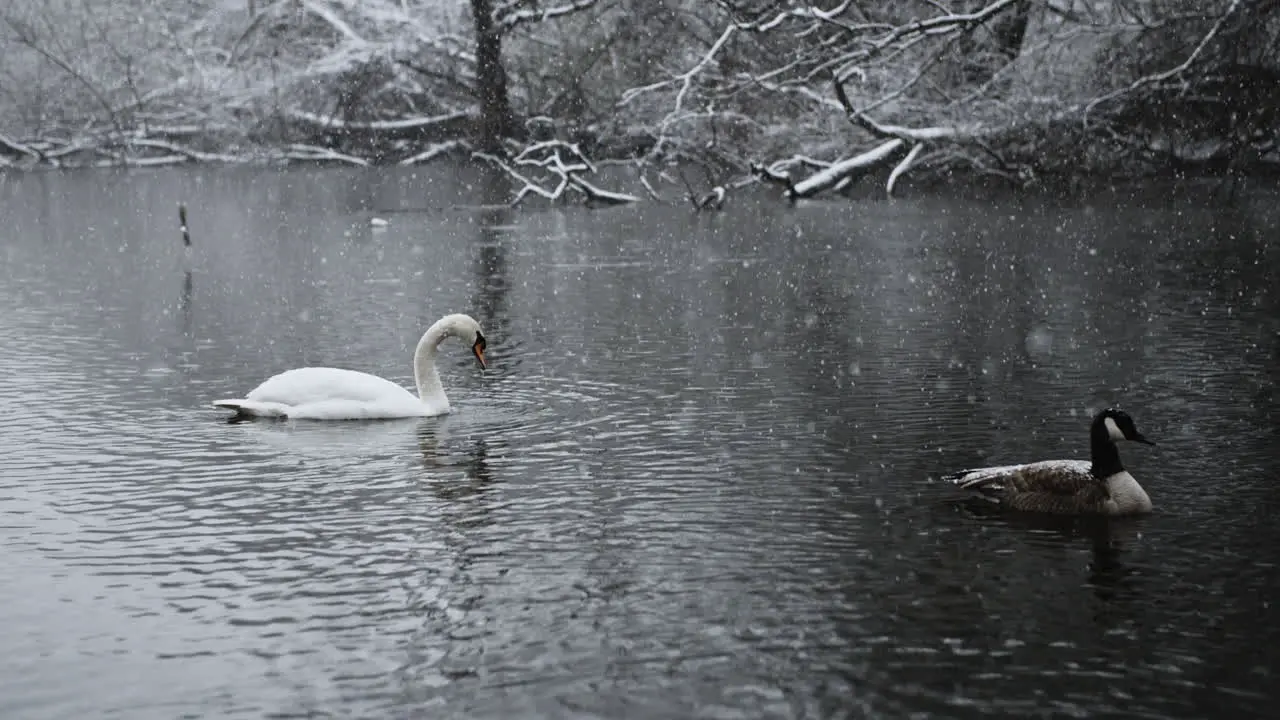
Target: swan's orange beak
(478, 351)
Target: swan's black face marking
(478, 350)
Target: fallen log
(436, 150)
(600, 196)
(902, 146)
(176, 149)
(15, 148)
(314, 153)
(405, 125)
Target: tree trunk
(496, 121)
(1011, 31)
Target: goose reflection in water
(1111, 579)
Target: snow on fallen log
(13, 147)
(869, 160)
(331, 123)
(602, 196)
(435, 150)
(312, 153)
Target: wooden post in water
(182, 224)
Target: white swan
(323, 393)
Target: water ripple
(694, 482)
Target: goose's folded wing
(1053, 477)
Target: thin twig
(1167, 74)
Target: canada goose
(1069, 487)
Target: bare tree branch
(25, 36)
(1171, 72)
(258, 19)
(685, 79)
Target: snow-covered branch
(179, 150)
(434, 151)
(902, 167)
(839, 171)
(321, 10)
(529, 185)
(808, 12)
(302, 151)
(913, 135)
(13, 147)
(685, 79)
(513, 14)
(549, 158)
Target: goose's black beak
(1139, 438)
(478, 351)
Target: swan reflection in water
(477, 478)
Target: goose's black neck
(1103, 453)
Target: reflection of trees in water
(1006, 312)
(827, 350)
(893, 306)
(184, 302)
(492, 272)
(477, 478)
(448, 595)
(179, 348)
(465, 503)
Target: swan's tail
(252, 408)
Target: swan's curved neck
(424, 363)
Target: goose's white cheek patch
(1113, 429)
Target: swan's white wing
(319, 393)
(384, 409)
(306, 386)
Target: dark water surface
(698, 480)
